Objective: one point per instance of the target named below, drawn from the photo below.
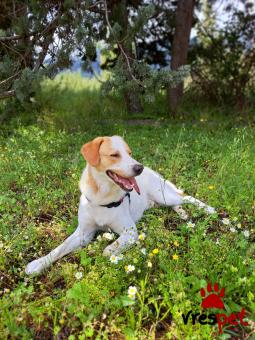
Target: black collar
(115, 204)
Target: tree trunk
(133, 102)
(131, 96)
(183, 24)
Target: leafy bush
(223, 70)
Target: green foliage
(41, 167)
(47, 37)
(147, 81)
(40, 41)
(27, 85)
(143, 15)
(223, 68)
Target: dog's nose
(138, 169)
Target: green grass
(40, 168)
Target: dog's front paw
(183, 215)
(112, 249)
(37, 266)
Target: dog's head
(112, 156)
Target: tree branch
(12, 49)
(42, 54)
(7, 94)
(50, 29)
(5, 81)
(121, 47)
(26, 35)
(17, 37)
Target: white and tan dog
(115, 192)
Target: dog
(115, 191)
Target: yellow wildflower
(142, 237)
(155, 251)
(175, 257)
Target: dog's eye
(116, 155)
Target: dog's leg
(199, 204)
(165, 193)
(78, 239)
(181, 212)
(127, 238)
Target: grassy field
(84, 295)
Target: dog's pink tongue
(134, 184)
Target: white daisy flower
(132, 290)
(239, 226)
(1, 244)
(149, 264)
(129, 268)
(114, 259)
(78, 275)
(226, 221)
(217, 241)
(246, 233)
(143, 251)
(108, 236)
(99, 238)
(190, 225)
(232, 229)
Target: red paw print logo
(213, 300)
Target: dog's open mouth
(127, 184)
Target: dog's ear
(90, 151)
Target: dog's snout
(138, 169)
